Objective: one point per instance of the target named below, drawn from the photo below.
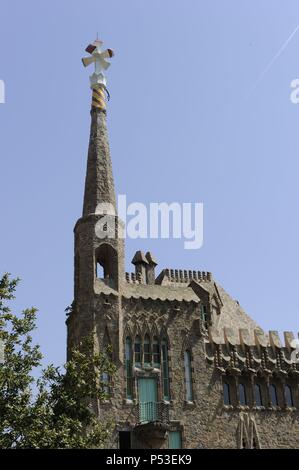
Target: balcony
(152, 412)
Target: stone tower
(193, 369)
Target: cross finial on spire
(98, 79)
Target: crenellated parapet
(133, 278)
(240, 351)
(182, 276)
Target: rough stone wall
(205, 423)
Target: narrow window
(204, 316)
(105, 379)
(188, 376)
(137, 351)
(273, 395)
(244, 446)
(165, 371)
(226, 394)
(156, 352)
(258, 395)
(242, 395)
(288, 396)
(147, 351)
(129, 378)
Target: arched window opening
(165, 370)
(244, 446)
(147, 359)
(188, 376)
(129, 377)
(137, 351)
(242, 394)
(258, 395)
(273, 395)
(226, 394)
(288, 396)
(156, 352)
(99, 271)
(106, 264)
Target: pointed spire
(99, 184)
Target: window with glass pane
(288, 395)
(137, 351)
(165, 371)
(273, 395)
(242, 394)
(188, 376)
(156, 352)
(147, 351)
(226, 394)
(129, 378)
(258, 395)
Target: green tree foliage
(56, 410)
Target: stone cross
(99, 57)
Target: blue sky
(187, 122)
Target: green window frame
(188, 376)
(147, 357)
(165, 370)
(156, 352)
(137, 351)
(128, 364)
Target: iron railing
(152, 411)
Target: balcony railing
(152, 411)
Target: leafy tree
(56, 410)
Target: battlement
(133, 278)
(176, 276)
(257, 337)
(182, 276)
(252, 350)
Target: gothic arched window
(128, 358)
(226, 394)
(156, 352)
(273, 394)
(137, 351)
(288, 396)
(242, 394)
(188, 376)
(165, 370)
(147, 357)
(258, 395)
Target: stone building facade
(193, 369)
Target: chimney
(140, 263)
(150, 268)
